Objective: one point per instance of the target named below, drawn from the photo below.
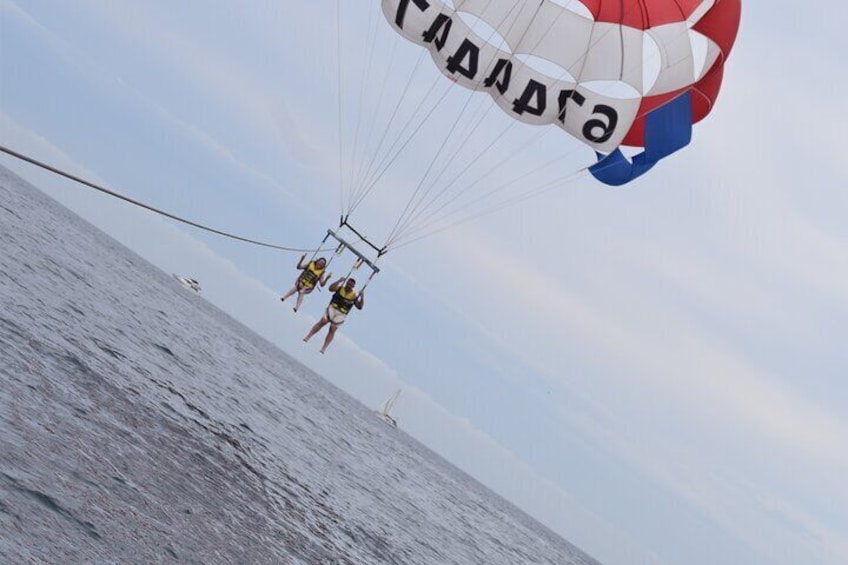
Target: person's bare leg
(289, 293)
(316, 328)
(299, 301)
(330, 335)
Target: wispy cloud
(675, 368)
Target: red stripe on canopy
(720, 24)
(641, 14)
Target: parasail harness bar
(349, 246)
(343, 223)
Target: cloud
(206, 65)
(697, 367)
(682, 374)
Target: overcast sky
(657, 372)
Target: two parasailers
(313, 274)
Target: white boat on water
(385, 413)
(189, 283)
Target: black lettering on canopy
(607, 128)
(534, 92)
(403, 5)
(469, 51)
(442, 23)
(564, 97)
(500, 75)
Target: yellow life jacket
(343, 300)
(310, 275)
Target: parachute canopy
(608, 72)
(611, 74)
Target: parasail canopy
(606, 73)
(610, 67)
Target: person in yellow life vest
(312, 274)
(340, 304)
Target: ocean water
(140, 424)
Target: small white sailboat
(189, 283)
(384, 413)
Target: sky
(655, 372)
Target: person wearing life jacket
(344, 298)
(312, 274)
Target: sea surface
(141, 424)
